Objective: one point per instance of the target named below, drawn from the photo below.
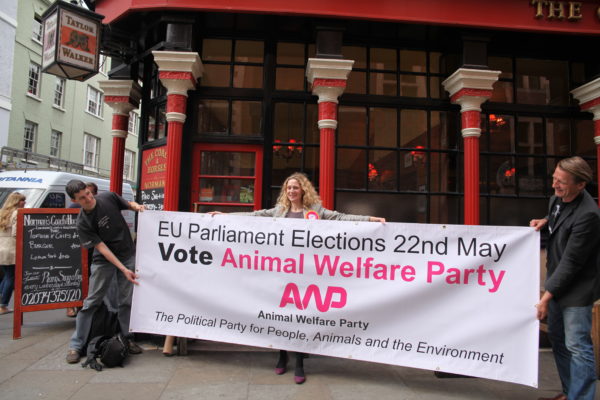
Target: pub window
(291, 65)
(393, 72)
(295, 140)
(229, 117)
(157, 121)
(543, 82)
(384, 149)
(233, 63)
(503, 88)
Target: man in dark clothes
(72, 311)
(101, 225)
(573, 260)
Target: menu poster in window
(152, 184)
(51, 266)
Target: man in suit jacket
(573, 261)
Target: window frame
(95, 152)
(30, 136)
(34, 79)
(37, 34)
(55, 143)
(95, 102)
(129, 165)
(59, 92)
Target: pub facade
(416, 111)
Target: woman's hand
(377, 219)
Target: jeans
(569, 331)
(8, 284)
(100, 282)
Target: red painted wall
(503, 14)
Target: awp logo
(291, 295)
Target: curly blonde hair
(10, 205)
(310, 196)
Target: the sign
(71, 41)
(51, 268)
(153, 176)
(450, 298)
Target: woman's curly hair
(10, 205)
(310, 196)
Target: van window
(31, 195)
(54, 200)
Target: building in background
(416, 111)
(8, 28)
(55, 123)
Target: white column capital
(326, 68)
(178, 70)
(122, 95)
(588, 96)
(587, 92)
(471, 79)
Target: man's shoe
(133, 347)
(560, 396)
(73, 356)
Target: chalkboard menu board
(153, 177)
(51, 268)
(153, 199)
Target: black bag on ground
(104, 323)
(111, 350)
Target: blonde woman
(299, 199)
(8, 244)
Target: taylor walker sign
(441, 297)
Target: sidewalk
(34, 367)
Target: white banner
(447, 298)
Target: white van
(46, 189)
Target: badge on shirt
(311, 215)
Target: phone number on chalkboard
(51, 296)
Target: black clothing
(573, 257)
(105, 223)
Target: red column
(122, 96)
(327, 125)
(178, 72)
(119, 124)
(328, 78)
(176, 104)
(471, 130)
(470, 88)
(588, 96)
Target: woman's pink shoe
(280, 371)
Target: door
(226, 178)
